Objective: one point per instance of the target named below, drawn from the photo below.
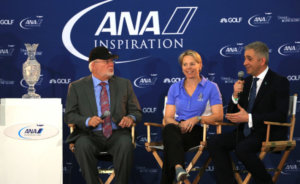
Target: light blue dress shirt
(97, 90)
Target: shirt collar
(263, 74)
(96, 81)
(202, 82)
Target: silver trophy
(31, 71)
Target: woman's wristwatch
(199, 118)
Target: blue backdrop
(148, 36)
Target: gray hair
(90, 66)
(260, 48)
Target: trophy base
(34, 95)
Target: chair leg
(194, 160)
(202, 170)
(280, 166)
(110, 178)
(101, 182)
(186, 181)
(248, 177)
(191, 165)
(158, 159)
(237, 176)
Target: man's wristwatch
(199, 118)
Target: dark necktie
(252, 96)
(104, 103)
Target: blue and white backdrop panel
(148, 36)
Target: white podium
(30, 141)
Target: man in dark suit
(93, 134)
(263, 96)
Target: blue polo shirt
(206, 94)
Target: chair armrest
(149, 124)
(72, 147)
(133, 133)
(153, 124)
(219, 125)
(224, 124)
(205, 127)
(277, 123)
(269, 123)
(72, 127)
(133, 125)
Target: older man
(103, 107)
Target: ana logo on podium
(31, 131)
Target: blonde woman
(187, 101)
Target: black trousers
(246, 149)
(175, 144)
(119, 145)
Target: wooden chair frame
(109, 171)
(276, 146)
(154, 147)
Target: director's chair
(285, 146)
(104, 156)
(154, 147)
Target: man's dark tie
(252, 96)
(104, 103)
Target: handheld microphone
(241, 75)
(105, 114)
